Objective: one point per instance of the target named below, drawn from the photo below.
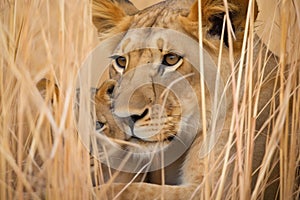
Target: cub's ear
(105, 91)
(108, 14)
(48, 90)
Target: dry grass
(42, 39)
(40, 154)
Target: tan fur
(48, 90)
(107, 15)
(103, 111)
(111, 129)
(110, 20)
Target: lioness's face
(164, 90)
(156, 97)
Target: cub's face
(105, 121)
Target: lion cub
(107, 126)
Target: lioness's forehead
(150, 38)
(150, 23)
(158, 17)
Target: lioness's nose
(135, 118)
(133, 105)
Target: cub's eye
(121, 62)
(99, 125)
(171, 59)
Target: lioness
(162, 96)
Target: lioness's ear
(213, 12)
(193, 15)
(108, 14)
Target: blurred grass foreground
(41, 156)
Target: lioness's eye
(171, 59)
(121, 62)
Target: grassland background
(41, 156)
